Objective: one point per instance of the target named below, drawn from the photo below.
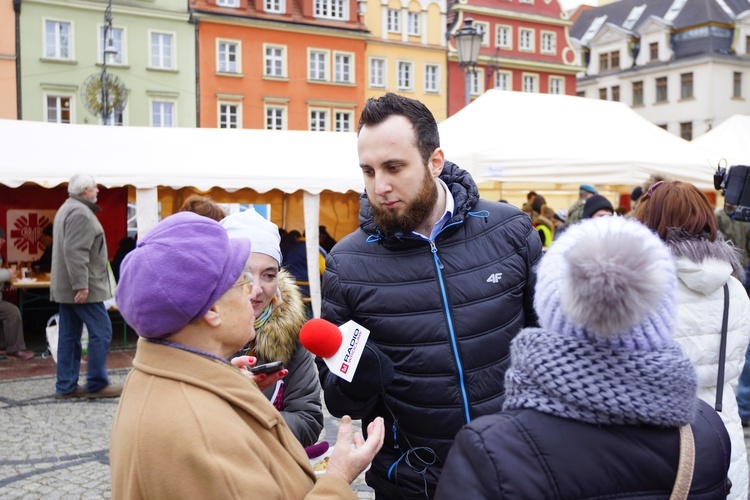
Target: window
(116, 118)
(274, 6)
(504, 35)
(330, 9)
(686, 131)
(116, 35)
(662, 126)
(484, 29)
(603, 94)
(415, 23)
(614, 59)
(342, 121)
(162, 114)
(603, 61)
(377, 72)
(556, 85)
(747, 45)
(275, 61)
(228, 3)
(502, 80)
(229, 115)
(476, 86)
(57, 43)
(580, 93)
(343, 68)
(405, 75)
(661, 89)
(318, 66)
(653, 51)
(275, 118)
(228, 60)
(737, 84)
(318, 120)
(686, 86)
(526, 41)
(431, 78)
(58, 109)
(162, 54)
(638, 93)
(616, 93)
(549, 43)
(530, 83)
(394, 21)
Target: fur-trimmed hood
(278, 338)
(698, 249)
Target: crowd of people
(580, 352)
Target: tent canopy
(528, 137)
(728, 142)
(144, 157)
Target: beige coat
(79, 253)
(191, 427)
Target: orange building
(280, 64)
(8, 82)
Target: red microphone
(320, 337)
(340, 347)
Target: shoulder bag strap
(681, 487)
(722, 351)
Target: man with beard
(442, 279)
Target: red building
(525, 47)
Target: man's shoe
(24, 355)
(111, 391)
(78, 392)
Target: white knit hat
(263, 233)
(609, 280)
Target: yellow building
(406, 51)
(8, 91)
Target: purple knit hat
(177, 272)
(609, 280)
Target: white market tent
(729, 141)
(146, 158)
(522, 137)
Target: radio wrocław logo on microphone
(344, 362)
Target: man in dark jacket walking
(442, 279)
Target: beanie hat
(611, 281)
(594, 204)
(561, 215)
(253, 226)
(177, 272)
(588, 188)
(637, 192)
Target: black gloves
(374, 373)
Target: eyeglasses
(246, 279)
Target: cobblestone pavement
(60, 448)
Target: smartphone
(267, 368)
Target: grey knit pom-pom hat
(609, 280)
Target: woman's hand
(348, 462)
(262, 380)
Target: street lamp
(109, 50)
(468, 41)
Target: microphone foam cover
(320, 337)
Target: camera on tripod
(734, 184)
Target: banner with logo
(24, 233)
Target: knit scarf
(577, 379)
(264, 316)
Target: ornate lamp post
(468, 41)
(109, 50)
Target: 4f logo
(495, 278)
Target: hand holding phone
(267, 368)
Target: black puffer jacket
(443, 314)
(529, 454)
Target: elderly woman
(680, 214)
(598, 400)
(189, 423)
(279, 315)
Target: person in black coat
(598, 397)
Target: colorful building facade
(280, 64)
(8, 80)
(525, 47)
(63, 43)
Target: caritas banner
(24, 233)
